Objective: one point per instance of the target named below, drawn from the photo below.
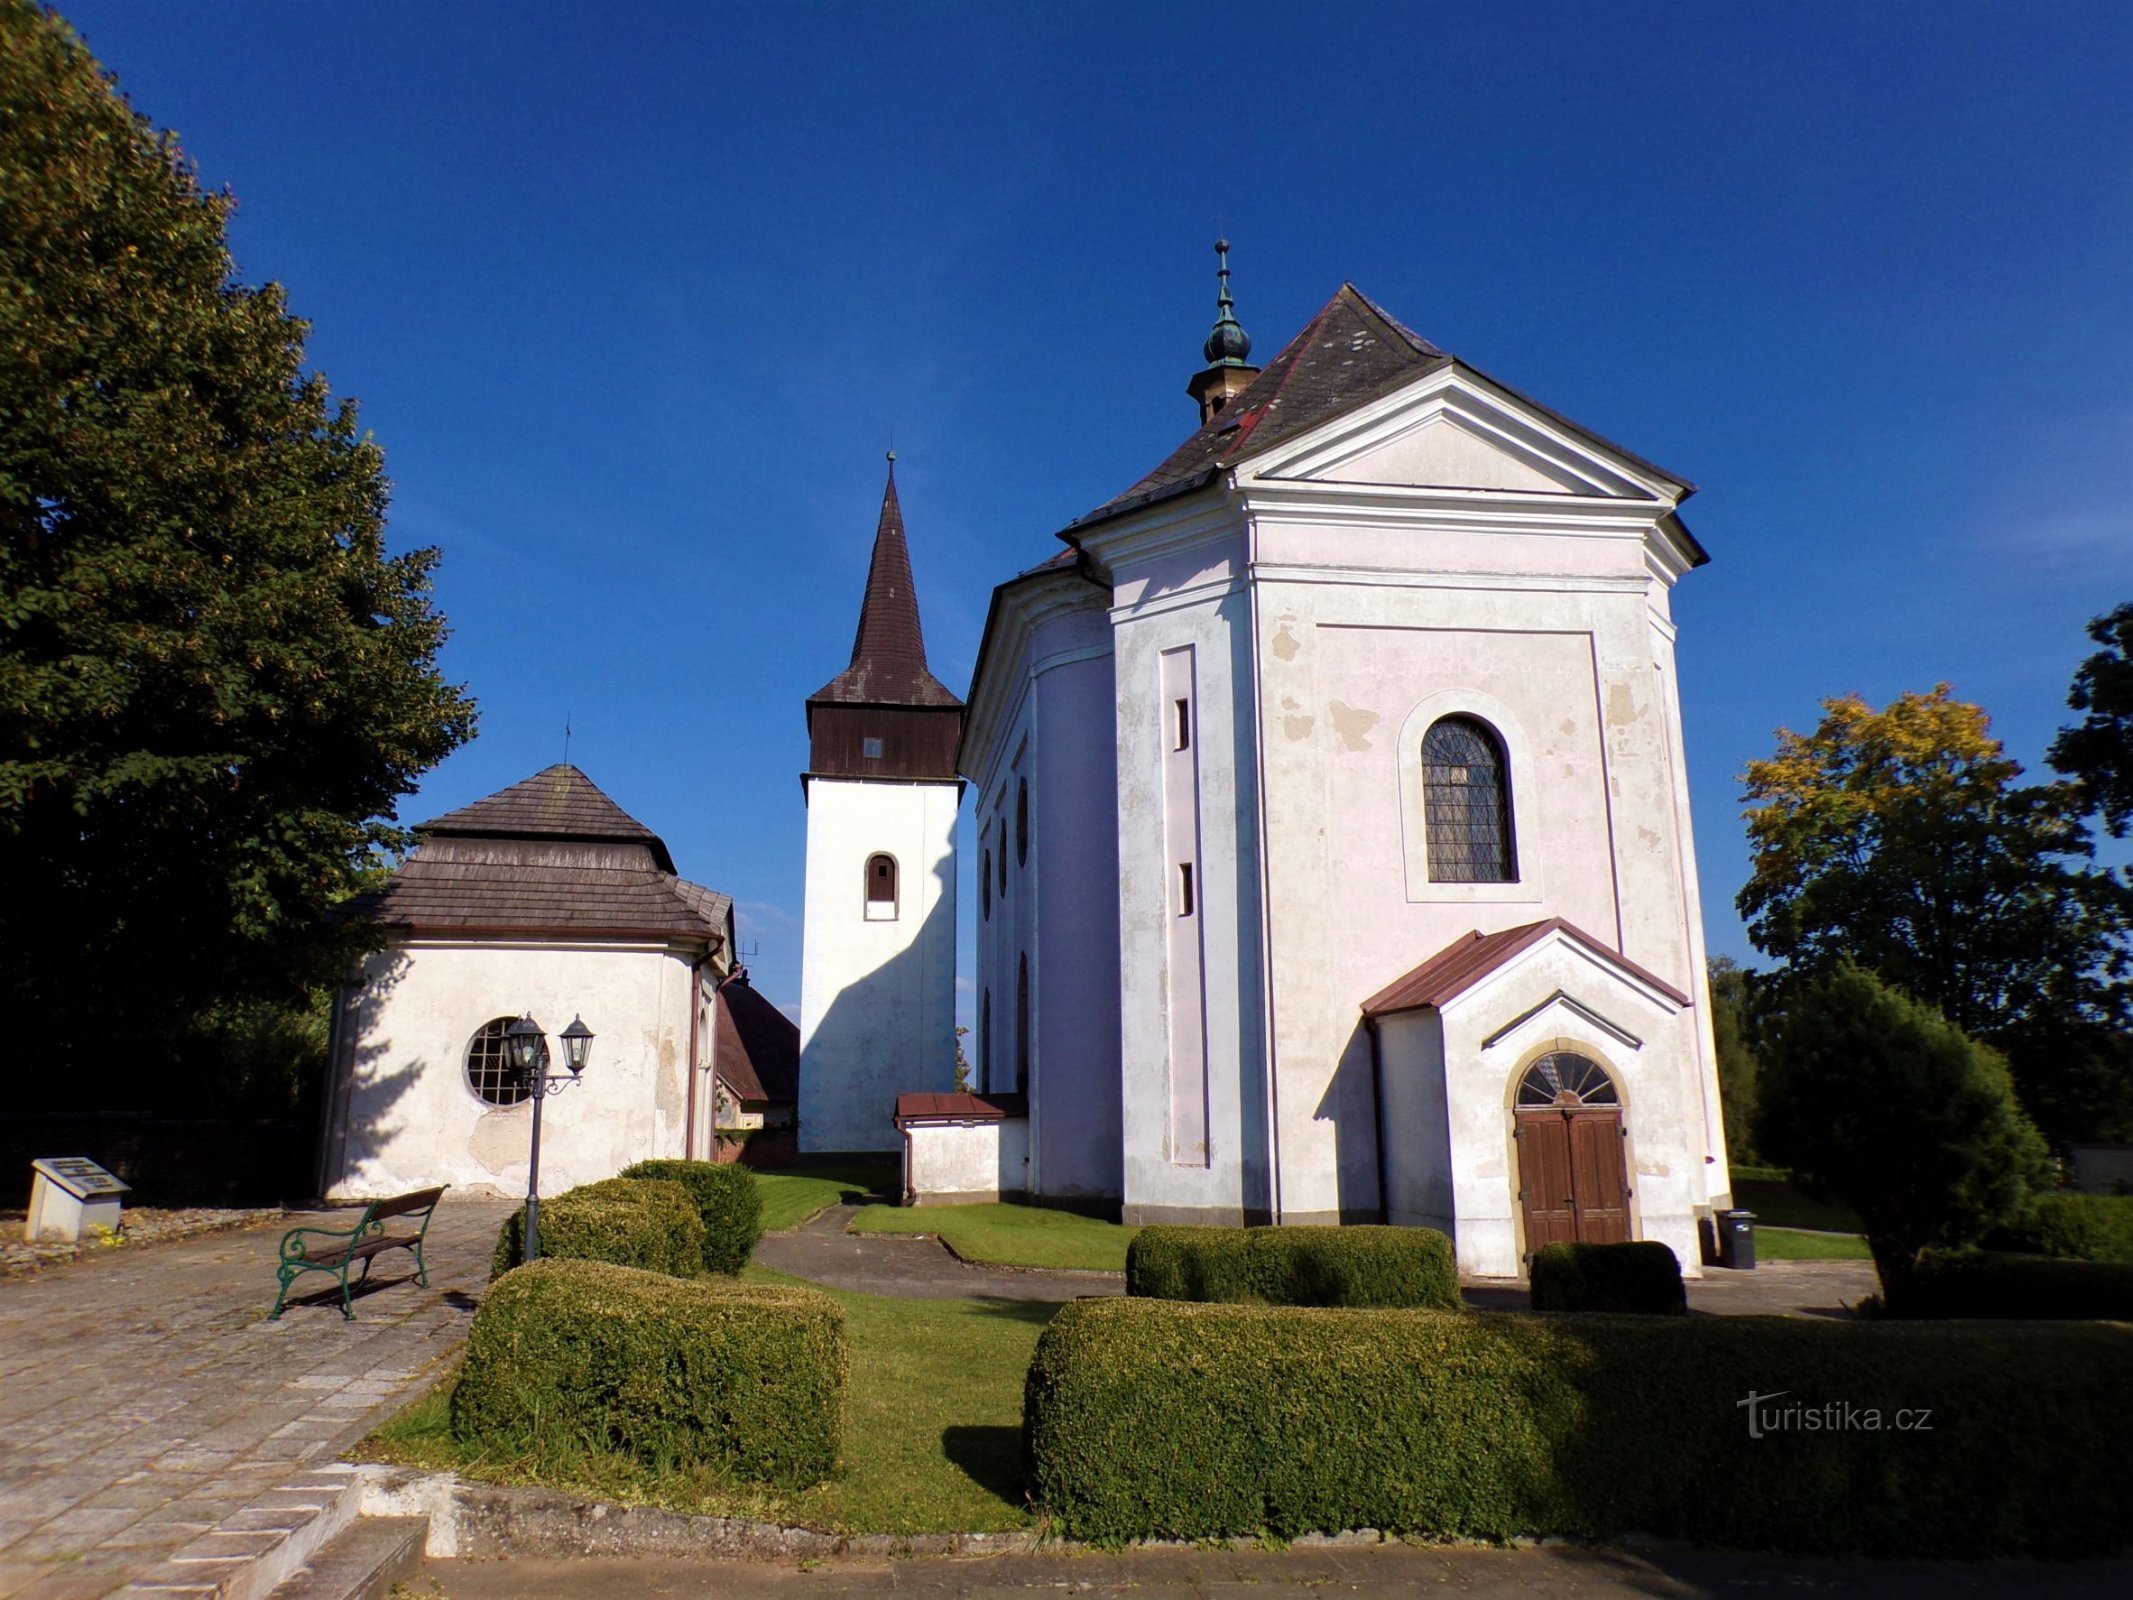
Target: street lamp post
(529, 1054)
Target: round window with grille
(490, 1073)
(1566, 1079)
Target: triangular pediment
(1450, 429)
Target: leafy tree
(214, 680)
(1737, 1068)
(1900, 838)
(2097, 752)
(1879, 1101)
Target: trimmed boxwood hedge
(628, 1221)
(1642, 1276)
(1295, 1266)
(726, 1198)
(1991, 1283)
(581, 1356)
(2079, 1227)
(1154, 1419)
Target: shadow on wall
(866, 1033)
(1253, 1132)
(362, 1088)
(1350, 1104)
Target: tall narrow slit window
(1181, 728)
(1022, 1024)
(881, 888)
(1466, 797)
(1185, 896)
(1022, 822)
(985, 887)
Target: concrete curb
(479, 1521)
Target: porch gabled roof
(1465, 962)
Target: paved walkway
(1550, 1572)
(925, 1269)
(145, 1402)
(912, 1268)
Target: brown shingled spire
(888, 649)
(886, 716)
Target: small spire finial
(892, 458)
(1228, 345)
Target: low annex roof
(960, 1107)
(551, 855)
(757, 1046)
(1465, 962)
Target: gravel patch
(139, 1225)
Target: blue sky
(635, 296)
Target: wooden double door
(1572, 1179)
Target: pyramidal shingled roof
(1349, 354)
(557, 802)
(889, 650)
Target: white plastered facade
(877, 992)
(404, 1115)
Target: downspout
(696, 1008)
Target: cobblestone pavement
(1550, 1572)
(145, 1400)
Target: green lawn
(1777, 1204)
(932, 1439)
(790, 1198)
(1801, 1244)
(1009, 1235)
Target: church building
(1332, 823)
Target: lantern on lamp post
(528, 1047)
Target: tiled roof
(714, 908)
(888, 651)
(1351, 352)
(1465, 962)
(758, 1046)
(558, 802)
(959, 1107)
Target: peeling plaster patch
(1285, 645)
(499, 1138)
(1654, 1169)
(1352, 725)
(1570, 726)
(668, 1090)
(1297, 728)
(1649, 838)
(1621, 705)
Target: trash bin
(1736, 1240)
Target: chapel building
(1332, 836)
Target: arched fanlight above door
(1563, 1079)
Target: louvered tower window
(1466, 802)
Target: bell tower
(877, 973)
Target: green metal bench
(335, 1250)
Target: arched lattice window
(1566, 1078)
(1022, 822)
(490, 1073)
(1022, 1025)
(881, 886)
(1466, 804)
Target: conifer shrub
(630, 1222)
(1993, 1283)
(1155, 1419)
(2078, 1227)
(1295, 1266)
(1642, 1276)
(583, 1357)
(725, 1197)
